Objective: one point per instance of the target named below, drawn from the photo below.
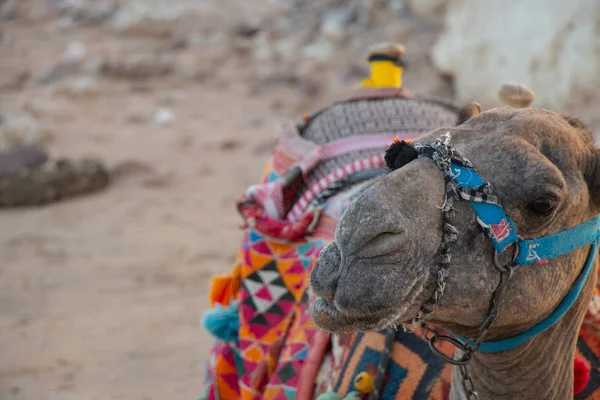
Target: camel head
(383, 265)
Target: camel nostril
(326, 273)
(326, 292)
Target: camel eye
(541, 206)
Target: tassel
(223, 322)
(582, 375)
(224, 287)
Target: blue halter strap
(503, 233)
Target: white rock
(18, 129)
(74, 53)
(262, 47)
(318, 51)
(551, 47)
(163, 117)
(333, 24)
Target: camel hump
(515, 94)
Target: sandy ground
(100, 297)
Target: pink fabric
(302, 204)
(270, 197)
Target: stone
(74, 53)
(246, 29)
(552, 49)
(18, 129)
(18, 158)
(334, 23)
(21, 129)
(317, 51)
(262, 47)
(163, 117)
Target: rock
(318, 51)
(246, 29)
(53, 181)
(334, 23)
(87, 11)
(68, 63)
(20, 129)
(229, 144)
(553, 49)
(19, 158)
(75, 53)
(163, 117)
(137, 66)
(263, 47)
(78, 87)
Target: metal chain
(472, 344)
(442, 154)
(467, 383)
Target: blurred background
(100, 296)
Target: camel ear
(468, 112)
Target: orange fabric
(224, 287)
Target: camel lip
(328, 317)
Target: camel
(408, 251)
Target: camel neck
(541, 368)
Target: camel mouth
(328, 317)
